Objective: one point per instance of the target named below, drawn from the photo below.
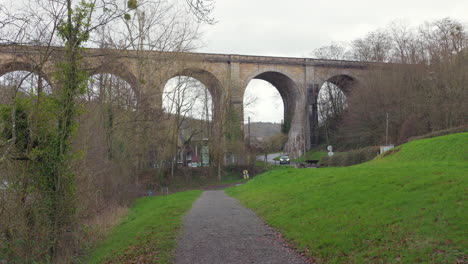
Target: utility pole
(386, 132)
(248, 130)
(304, 145)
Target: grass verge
(148, 233)
(406, 207)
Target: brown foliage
(412, 126)
(427, 91)
(460, 129)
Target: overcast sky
(296, 27)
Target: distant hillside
(262, 130)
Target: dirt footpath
(218, 230)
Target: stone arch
(345, 82)
(285, 85)
(208, 79)
(121, 71)
(13, 66)
(254, 75)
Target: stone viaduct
(298, 80)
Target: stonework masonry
(298, 80)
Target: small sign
(386, 148)
(330, 151)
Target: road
(270, 157)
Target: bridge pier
(312, 115)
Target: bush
(460, 129)
(368, 153)
(351, 157)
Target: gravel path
(219, 230)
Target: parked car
(284, 160)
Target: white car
(284, 160)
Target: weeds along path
(220, 230)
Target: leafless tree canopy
(119, 148)
(426, 89)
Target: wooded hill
(262, 130)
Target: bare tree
(33, 119)
(375, 46)
(334, 51)
(422, 93)
(331, 105)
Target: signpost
(330, 151)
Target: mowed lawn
(148, 233)
(407, 207)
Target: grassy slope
(408, 207)
(148, 233)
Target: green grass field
(406, 207)
(147, 234)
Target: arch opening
(207, 80)
(189, 106)
(270, 99)
(332, 103)
(120, 71)
(188, 97)
(344, 82)
(106, 88)
(22, 83)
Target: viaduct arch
(298, 80)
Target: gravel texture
(219, 230)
